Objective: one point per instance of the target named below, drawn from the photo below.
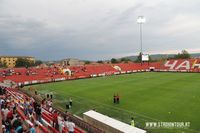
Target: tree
(38, 62)
(3, 64)
(87, 62)
(139, 58)
(22, 62)
(183, 55)
(113, 60)
(100, 61)
(125, 60)
(152, 60)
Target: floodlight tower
(141, 20)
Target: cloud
(96, 29)
(182, 25)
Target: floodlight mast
(141, 20)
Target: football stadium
(164, 93)
(94, 66)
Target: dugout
(108, 124)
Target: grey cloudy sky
(97, 29)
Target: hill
(161, 56)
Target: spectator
(17, 122)
(68, 105)
(1, 102)
(66, 116)
(14, 108)
(70, 101)
(43, 101)
(55, 119)
(49, 103)
(35, 105)
(19, 129)
(3, 128)
(30, 112)
(50, 109)
(38, 113)
(7, 124)
(118, 98)
(132, 122)
(14, 118)
(5, 111)
(32, 130)
(47, 96)
(37, 128)
(60, 123)
(51, 95)
(114, 98)
(10, 115)
(70, 126)
(26, 105)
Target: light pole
(141, 20)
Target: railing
(0, 122)
(79, 122)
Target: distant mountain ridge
(161, 56)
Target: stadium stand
(26, 76)
(16, 103)
(15, 100)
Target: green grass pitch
(148, 97)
